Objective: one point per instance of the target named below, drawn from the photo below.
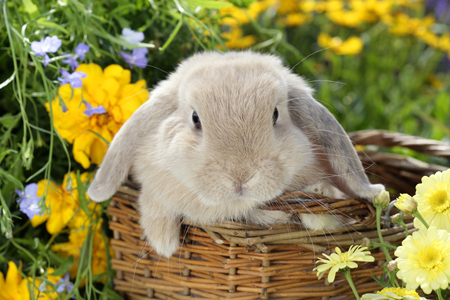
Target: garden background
(380, 64)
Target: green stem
(417, 215)
(350, 282)
(380, 236)
(384, 245)
(439, 293)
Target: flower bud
(367, 243)
(406, 204)
(397, 219)
(392, 266)
(382, 200)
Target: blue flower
(137, 57)
(93, 110)
(47, 45)
(131, 36)
(64, 284)
(73, 79)
(28, 201)
(80, 50)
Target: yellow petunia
(353, 45)
(433, 198)
(340, 261)
(15, 287)
(109, 88)
(77, 238)
(424, 260)
(63, 201)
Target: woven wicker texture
(243, 261)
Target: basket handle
(389, 139)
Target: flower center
(430, 258)
(401, 292)
(439, 200)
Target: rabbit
(219, 138)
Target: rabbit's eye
(196, 120)
(275, 116)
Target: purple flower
(47, 45)
(72, 61)
(28, 201)
(131, 36)
(441, 9)
(80, 50)
(64, 284)
(73, 79)
(93, 110)
(137, 57)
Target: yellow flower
(424, 260)
(296, 19)
(287, 6)
(235, 16)
(392, 294)
(402, 24)
(110, 88)
(99, 262)
(338, 261)
(433, 198)
(353, 45)
(349, 18)
(15, 287)
(382, 199)
(237, 40)
(63, 201)
(406, 204)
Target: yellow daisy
(339, 261)
(406, 204)
(392, 294)
(424, 260)
(433, 198)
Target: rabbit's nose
(239, 188)
(239, 182)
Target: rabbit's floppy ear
(121, 152)
(334, 148)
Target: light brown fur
(239, 160)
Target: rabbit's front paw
(166, 246)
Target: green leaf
(3, 154)
(7, 81)
(10, 178)
(381, 282)
(209, 4)
(242, 3)
(31, 8)
(82, 195)
(45, 23)
(172, 35)
(64, 267)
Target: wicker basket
(242, 261)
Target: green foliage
(386, 86)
